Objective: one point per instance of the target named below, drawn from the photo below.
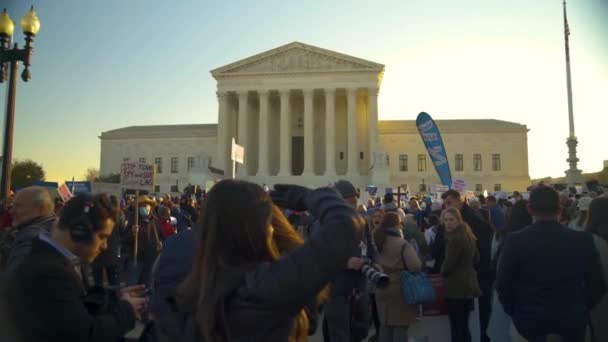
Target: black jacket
(265, 301)
(484, 234)
(548, 279)
(24, 235)
(147, 239)
(48, 302)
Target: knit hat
(346, 189)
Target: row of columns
(224, 137)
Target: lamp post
(30, 26)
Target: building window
(341, 155)
(157, 188)
(126, 160)
(478, 187)
(497, 187)
(422, 188)
(459, 162)
(158, 162)
(142, 160)
(174, 188)
(174, 165)
(496, 162)
(403, 162)
(361, 155)
(477, 162)
(190, 163)
(422, 163)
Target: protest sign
(459, 184)
(137, 176)
(64, 192)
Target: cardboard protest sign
(64, 192)
(137, 176)
(459, 184)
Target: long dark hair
(391, 220)
(597, 219)
(234, 238)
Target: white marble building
(308, 115)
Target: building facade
(309, 116)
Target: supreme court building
(309, 116)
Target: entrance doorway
(297, 155)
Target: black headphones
(81, 228)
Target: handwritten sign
(439, 188)
(137, 176)
(459, 184)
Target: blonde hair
(462, 226)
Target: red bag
(440, 307)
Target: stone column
(351, 131)
(242, 132)
(264, 132)
(330, 132)
(308, 132)
(285, 135)
(373, 122)
(223, 133)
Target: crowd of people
(281, 264)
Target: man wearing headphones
(45, 293)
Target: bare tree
(92, 174)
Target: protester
(499, 329)
(33, 212)
(549, 277)
(347, 311)
(148, 242)
(395, 255)
(461, 285)
(497, 215)
(164, 222)
(414, 236)
(484, 234)
(45, 292)
(108, 260)
(597, 224)
(237, 287)
(376, 216)
(578, 222)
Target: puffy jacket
(264, 301)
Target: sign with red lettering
(137, 176)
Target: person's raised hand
(290, 196)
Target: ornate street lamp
(12, 56)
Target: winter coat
(484, 234)
(48, 302)
(262, 304)
(599, 315)
(392, 307)
(458, 267)
(148, 238)
(24, 235)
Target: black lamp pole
(12, 56)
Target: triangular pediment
(297, 57)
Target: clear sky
(101, 65)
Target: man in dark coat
(148, 242)
(33, 212)
(45, 295)
(484, 234)
(549, 277)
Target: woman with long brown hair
(395, 255)
(461, 284)
(246, 283)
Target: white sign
(459, 184)
(107, 188)
(238, 152)
(137, 176)
(439, 188)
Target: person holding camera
(395, 255)
(45, 294)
